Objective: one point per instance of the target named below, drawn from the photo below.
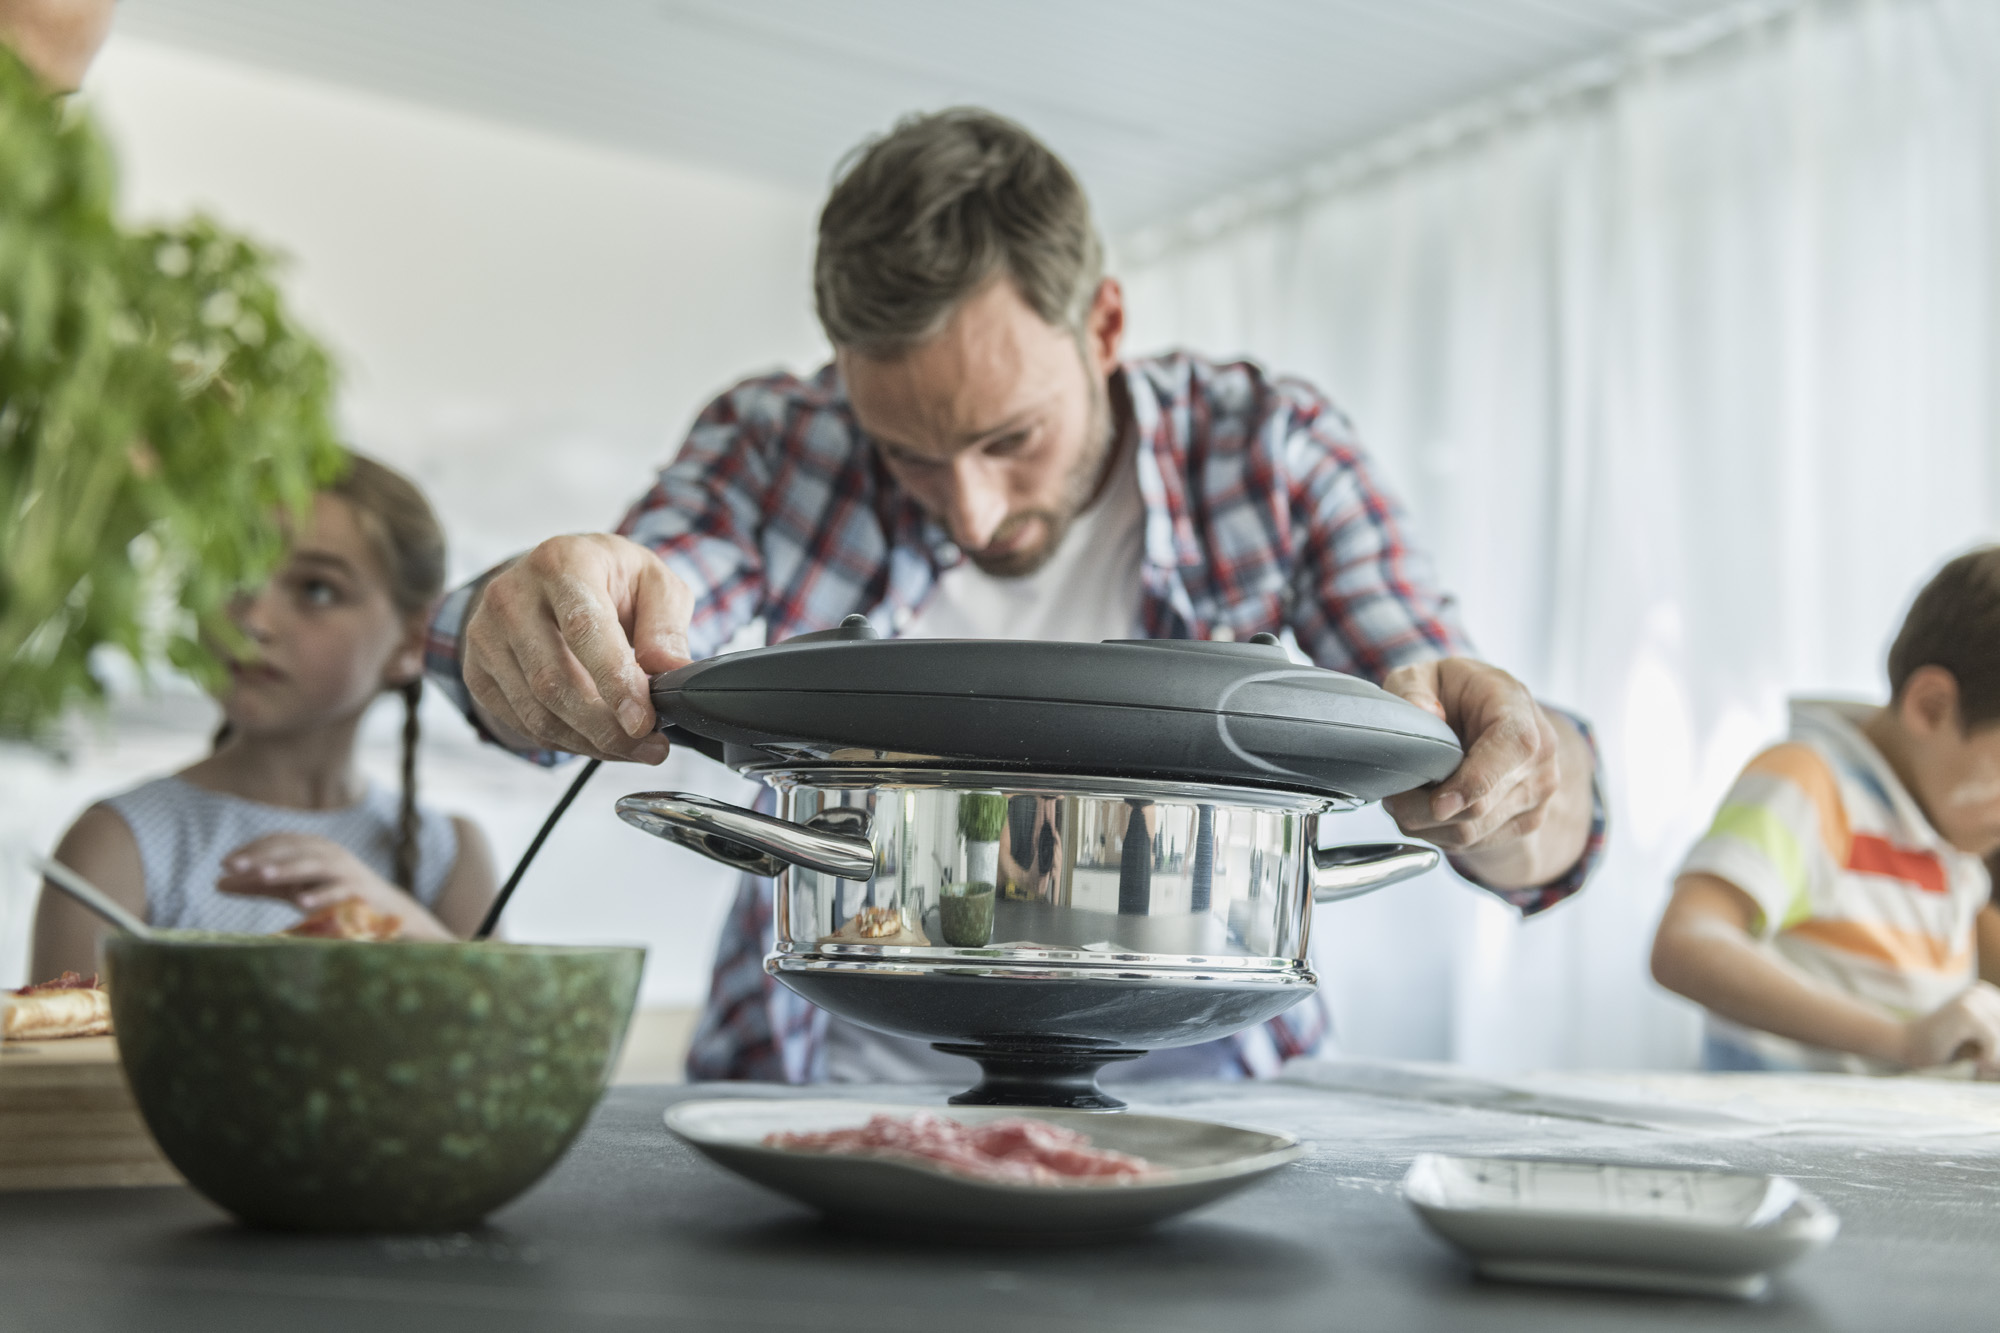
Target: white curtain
(1684, 371)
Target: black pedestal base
(1056, 1076)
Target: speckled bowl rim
(206, 940)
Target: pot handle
(750, 841)
(1363, 867)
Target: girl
(278, 821)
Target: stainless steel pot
(1042, 924)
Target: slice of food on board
(71, 1005)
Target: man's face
(999, 425)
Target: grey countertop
(634, 1231)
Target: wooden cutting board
(67, 1120)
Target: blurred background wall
(1671, 320)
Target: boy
(1838, 914)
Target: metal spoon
(96, 899)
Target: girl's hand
(311, 873)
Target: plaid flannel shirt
(1261, 515)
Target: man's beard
(1079, 488)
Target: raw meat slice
(1014, 1151)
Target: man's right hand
(1966, 1028)
(561, 644)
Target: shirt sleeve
(706, 511)
(1363, 599)
(1765, 834)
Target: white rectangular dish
(1671, 1229)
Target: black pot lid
(1176, 709)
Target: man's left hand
(1516, 813)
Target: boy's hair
(924, 216)
(1955, 624)
(408, 542)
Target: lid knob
(856, 626)
(1266, 638)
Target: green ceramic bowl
(334, 1086)
(965, 915)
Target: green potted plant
(982, 815)
(160, 413)
(965, 908)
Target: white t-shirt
(1853, 885)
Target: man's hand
(1516, 814)
(561, 644)
(1966, 1028)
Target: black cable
(521, 866)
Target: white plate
(1200, 1162)
(1675, 1229)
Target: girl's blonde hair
(408, 541)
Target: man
(979, 462)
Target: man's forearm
(1549, 851)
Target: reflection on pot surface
(1041, 924)
(1159, 869)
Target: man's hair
(927, 214)
(1955, 624)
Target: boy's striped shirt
(1851, 882)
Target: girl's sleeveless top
(184, 831)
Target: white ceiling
(1160, 104)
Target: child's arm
(468, 890)
(101, 848)
(1705, 951)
